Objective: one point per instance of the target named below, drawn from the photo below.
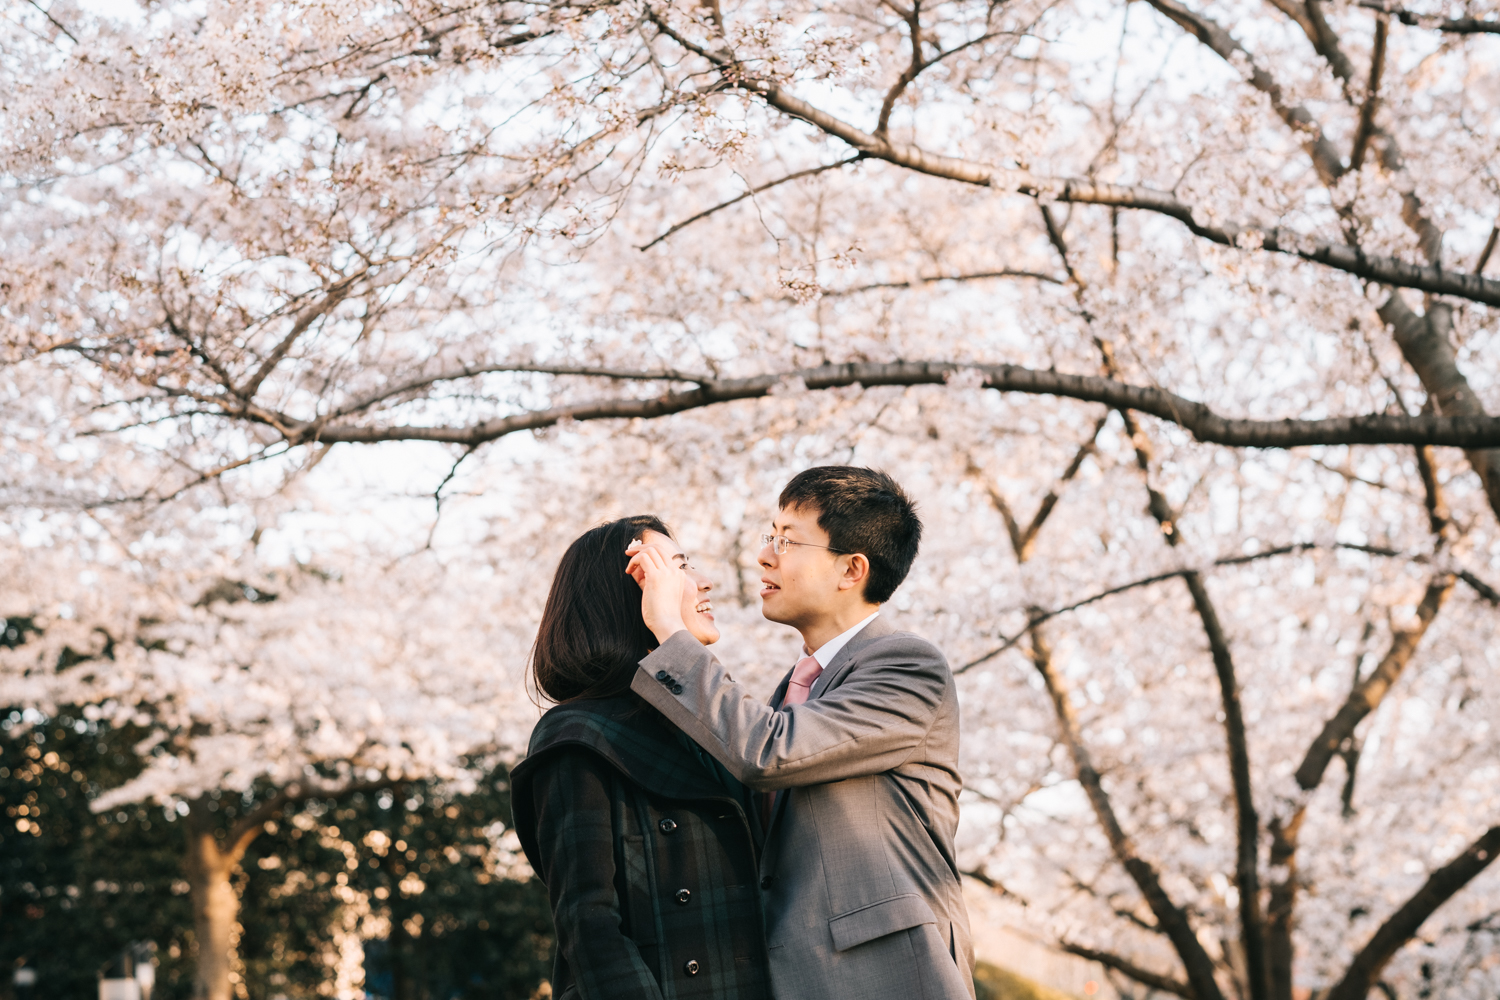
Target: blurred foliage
(418, 860)
(417, 870)
(76, 887)
(991, 982)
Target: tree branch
(1247, 855)
(306, 319)
(809, 172)
(1426, 345)
(1039, 617)
(55, 22)
(1023, 541)
(1372, 100)
(1297, 118)
(1455, 25)
(913, 18)
(1005, 272)
(1399, 928)
(473, 371)
(1196, 418)
(1128, 969)
(1170, 917)
(1352, 260)
(1489, 248)
(1364, 698)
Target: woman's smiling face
(697, 609)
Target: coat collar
(877, 629)
(632, 737)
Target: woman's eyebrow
(682, 556)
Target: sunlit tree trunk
(209, 865)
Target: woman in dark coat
(647, 845)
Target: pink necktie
(797, 689)
(803, 675)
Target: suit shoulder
(906, 646)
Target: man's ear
(855, 573)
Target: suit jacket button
(683, 895)
(691, 967)
(765, 882)
(677, 689)
(662, 675)
(668, 826)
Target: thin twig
(809, 172)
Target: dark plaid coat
(650, 861)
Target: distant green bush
(994, 983)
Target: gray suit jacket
(861, 887)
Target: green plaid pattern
(650, 861)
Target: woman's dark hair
(592, 634)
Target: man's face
(801, 584)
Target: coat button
(765, 882)
(662, 675)
(677, 689)
(667, 826)
(683, 895)
(691, 967)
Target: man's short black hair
(863, 511)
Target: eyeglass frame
(771, 540)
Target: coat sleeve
(872, 722)
(575, 846)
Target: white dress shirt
(830, 649)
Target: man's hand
(662, 584)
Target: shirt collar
(830, 649)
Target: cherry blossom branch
(1368, 695)
(1170, 917)
(913, 17)
(1372, 100)
(1297, 118)
(797, 175)
(1399, 928)
(1429, 351)
(1339, 256)
(329, 301)
(1427, 346)
(1247, 847)
(1455, 25)
(1195, 418)
(1128, 969)
(55, 22)
(473, 371)
(1023, 541)
(1038, 617)
(1004, 272)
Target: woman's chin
(705, 632)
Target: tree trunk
(216, 907)
(1427, 345)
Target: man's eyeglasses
(780, 543)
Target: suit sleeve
(575, 844)
(874, 721)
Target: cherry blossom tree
(272, 689)
(1175, 317)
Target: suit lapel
(835, 671)
(843, 660)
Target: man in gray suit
(857, 750)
